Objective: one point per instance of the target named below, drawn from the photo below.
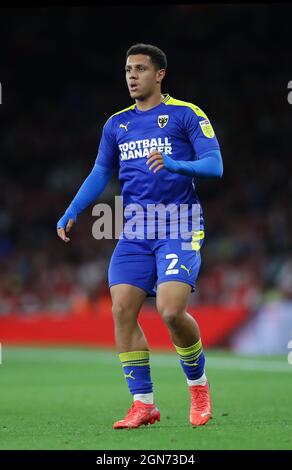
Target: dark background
(62, 76)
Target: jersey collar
(166, 97)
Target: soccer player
(160, 145)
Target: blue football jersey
(175, 128)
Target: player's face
(142, 76)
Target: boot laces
(199, 398)
(133, 410)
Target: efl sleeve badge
(207, 128)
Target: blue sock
(136, 369)
(192, 360)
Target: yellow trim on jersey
(194, 107)
(196, 237)
(123, 110)
(119, 112)
(166, 97)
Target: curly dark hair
(157, 56)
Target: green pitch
(69, 399)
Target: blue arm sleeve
(91, 188)
(209, 164)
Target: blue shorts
(146, 263)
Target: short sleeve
(200, 131)
(108, 151)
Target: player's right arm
(95, 183)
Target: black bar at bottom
(128, 458)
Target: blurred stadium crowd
(62, 75)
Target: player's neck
(151, 102)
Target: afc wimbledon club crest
(162, 120)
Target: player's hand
(61, 231)
(155, 160)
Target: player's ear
(160, 75)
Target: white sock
(146, 398)
(201, 381)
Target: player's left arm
(208, 161)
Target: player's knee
(122, 313)
(170, 315)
